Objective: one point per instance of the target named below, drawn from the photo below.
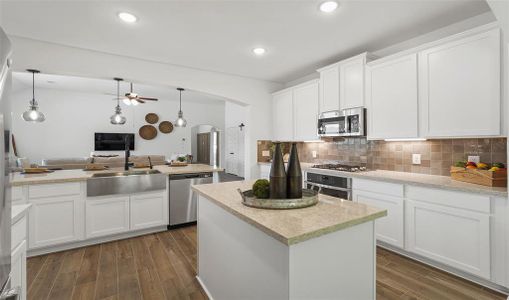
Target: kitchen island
(326, 251)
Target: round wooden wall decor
(152, 118)
(148, 132)
(166, 127)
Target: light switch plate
(266, 153)
(474, 158)
(416, 159)
(313, 153)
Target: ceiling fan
(132, 98)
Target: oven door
(337, 192)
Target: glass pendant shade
(117, 118)
(180, 122)
(33, 114)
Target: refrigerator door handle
(11, 294)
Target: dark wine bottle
(277, 175)
(294, 175)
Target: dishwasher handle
(190, 176)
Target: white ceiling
(219, 35)
(92, 86)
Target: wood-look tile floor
(163, 266)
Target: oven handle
(323, 186)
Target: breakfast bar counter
(326, 251)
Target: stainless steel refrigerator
(7, 292)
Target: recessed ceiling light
(328, 6)
(127, 17)
(259, 51)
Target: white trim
(205, 288)
(290, 88)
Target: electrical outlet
(474, 158)
(266, 153)
(313, 153)
(416, 159)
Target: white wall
(73, 117)
(57, 59)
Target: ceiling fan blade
(148, 98)
(139, 100)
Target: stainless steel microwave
(347, 122)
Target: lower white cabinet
(106, 215)
(19, 269)
(389, 229)
(148, 210)
(54, 220)
(455, 237)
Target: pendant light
(181, 122)
(33, 114)
(117, 118)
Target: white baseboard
(93, 241)
(206, 290)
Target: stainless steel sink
(126, 182)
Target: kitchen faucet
(127, 153)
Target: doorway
(235, 151)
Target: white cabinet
(390, 228)
(295, 112)
(329, 88)
(305, 109)
(351, 81)
(392, 98)
(107, 215)
(455, 237)
(460, 87)
(54, 220)
(148, 210)
(282, 115)
(19, 269)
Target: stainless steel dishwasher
(183, 200)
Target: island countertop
(291, 226)
(60, 176)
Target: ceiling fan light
(127, 101)
(134, 102)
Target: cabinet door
(329, 89)
(282, 116)
(19, 269)
(148, 210)
(106, 215)
(305, 104)
(460, 87)
(389, 229)
(351, 86)
(392, 98)
(54, 220)
(456, 237)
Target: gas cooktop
(340, 167)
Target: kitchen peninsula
(326, 251)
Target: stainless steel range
(327, 179)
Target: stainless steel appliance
(6, 162)
(347, 122)
(327, 179)
(127, 182)
(205, 145)
(183, 200)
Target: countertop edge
(299, 238)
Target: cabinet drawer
(19, 232)
(392, 189)
(468, 201)
(50, 190)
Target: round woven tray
(166, 127)
(148, 132)
(309, 198)
(152, 118)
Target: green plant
(181, 158)
(261, 189)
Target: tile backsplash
(437, 156)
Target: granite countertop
(433, 181)
(80, 175)
(18, 211)
(291, 226)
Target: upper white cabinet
(342, 84)
(460, 87)
(282, 115)
(329, 88)
(392, 98)
(305, 109)
(295, 112)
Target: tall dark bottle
(294, 175)
(277, 175)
